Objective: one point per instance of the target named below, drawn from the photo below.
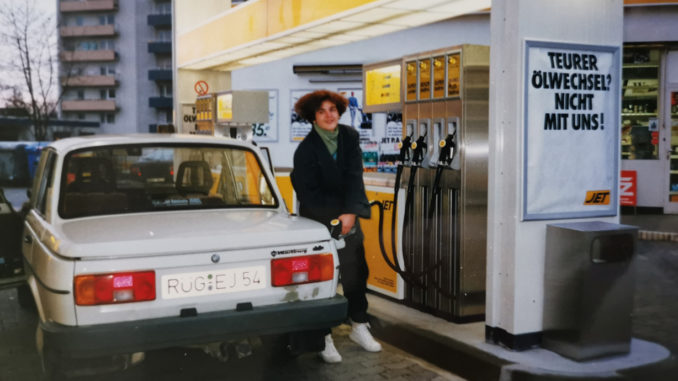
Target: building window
(107, 94)
(79, 21)
(102, 118)
(81, 94)
(110, 118)
(107, 70)
(165, 89)
(81, 115)
(163, 35)
(106, 19)
(163, 62)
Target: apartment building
(115, 65)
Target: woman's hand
(347, 222)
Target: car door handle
(28, 239)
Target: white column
(515, 264)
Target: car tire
(25, 298)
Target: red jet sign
(201, 88)
(628, 188)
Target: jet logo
(599, 197)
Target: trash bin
(588, 289)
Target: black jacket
(327, 188)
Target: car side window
(45, 177)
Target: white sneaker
(330, 354)
(362, 336)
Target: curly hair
(307, 105)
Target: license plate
(215, 282)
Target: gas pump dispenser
(443, 231)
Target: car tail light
(298, 270)
(114, 288)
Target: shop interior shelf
(639, 65)
(639, 113)
(640, 96)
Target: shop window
(640, 94)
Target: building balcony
(161, 102)
(87, 5)
(160, 74)
(89, 81)
(160, 20)
(87, 31)
(88, 55)
(88, 105)
(160, 47)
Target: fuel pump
(447, 153)
(418, 149)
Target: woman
(328, 179)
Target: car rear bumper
(144, 335)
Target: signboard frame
(610, 167)
(382, 107)
(273, 111)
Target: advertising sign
(628, 188)
(382, 278)
(382, 86)
(224, 107)
(189, 116)
(571, 130)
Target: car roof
(70, 144)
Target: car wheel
(25, 297)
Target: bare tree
(29, 33)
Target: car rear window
(146, 178)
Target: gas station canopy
(260, 31)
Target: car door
(37, 219)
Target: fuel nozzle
(335, 232)
(405, 149)
(448, 148)
(418, 149)
(335, 228)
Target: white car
(200, 249)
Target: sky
(9, 77)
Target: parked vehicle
(118, 267)
(11, 262)
(18, 161)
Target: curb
(648, 235)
